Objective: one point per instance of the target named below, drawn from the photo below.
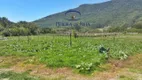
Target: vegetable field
(83, 55)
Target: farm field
(55, 55)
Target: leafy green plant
(56, 51)
(86, 68)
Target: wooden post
(70, 40)
(28, 39)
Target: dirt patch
(7, 62)
(130, 68)
(134, 62)
(114, 70)
(43, 71)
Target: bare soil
(130, 69)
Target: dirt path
(130, 69)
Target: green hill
(111, 13)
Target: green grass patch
(83, 55)
(122, 77)
(16, 76)
(135, 70)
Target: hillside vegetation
(21, 28)
(115, 13)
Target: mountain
(110, 13)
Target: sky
(30, 10)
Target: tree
(1, 28)
(32, 28)
(22, 28)
(23, 31)
(77, 27)
(117, 29)
(46, 30)
(5, 22)
(137, 25)
(6, 33)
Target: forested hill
(111, 13)
(21, 28)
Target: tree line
(136, 27)
(21, 28)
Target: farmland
(83, 56)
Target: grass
(122, 77)
(24, 76)
(83, 55)
(135, 70)
(16, 76)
